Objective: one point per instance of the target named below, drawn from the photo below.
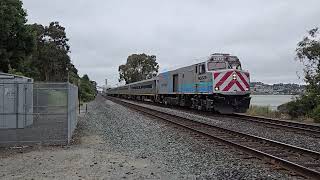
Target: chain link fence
(37, 113)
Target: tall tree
(308, 52)
(52, 57)
(16, 40)
(138, 67)
(37, 51)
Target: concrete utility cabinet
(16, 101)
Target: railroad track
(283, 124)
(311, 130)
(298, 161)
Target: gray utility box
(16, 101)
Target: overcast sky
(263, 34)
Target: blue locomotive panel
(185, 81)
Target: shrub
(302, 106)
(87, 91)
(316, 114)
(296, 109)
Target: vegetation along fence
(37, 113)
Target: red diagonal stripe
(243, 80)
(216, 75)
(225, 77)
(229, 85)
(239, 85)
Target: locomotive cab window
(216, 65)
(202, 68)
(235, 66)
(239, 67)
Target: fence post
(17, 104)
(68, 111)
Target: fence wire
(39, 112)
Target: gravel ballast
(258, 129)
(175, 150)
(114, 142)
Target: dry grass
(264, 111)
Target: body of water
(270, 100)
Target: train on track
(218, 84)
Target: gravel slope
(251, 128)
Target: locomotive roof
(152, 79)
(134, 83)
(223, 57)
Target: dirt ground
(87, 158)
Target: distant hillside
(290, 89)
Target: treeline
(37, 51)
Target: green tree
(16, 40)
(37, 51)
(51, 57)
(308, 52)
(87, 90)
(73, 75)
(138, 67)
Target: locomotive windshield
(235, 66)
(216, 65)
(234, 63)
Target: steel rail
(281, 123)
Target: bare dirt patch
(89, 157)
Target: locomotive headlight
(216, 88)
(234, 76)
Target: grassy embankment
(266, 111)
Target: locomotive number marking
(202, 77)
